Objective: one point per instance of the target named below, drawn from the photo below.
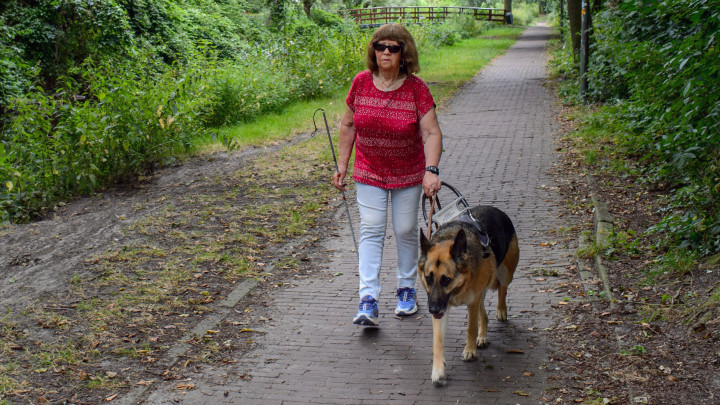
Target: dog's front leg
(482, 340)
(470, 351)
(438, 368)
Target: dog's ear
(459, 248)
(424, 243)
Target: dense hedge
(656, 66)
(93, 91)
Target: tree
(574, 9)
(278, 8)
(307, 4)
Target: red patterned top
(389, 151)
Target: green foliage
(133, 116)
(56, 35)
(325, 19)
(655, 64)
(96, 91)
(310, 63)
(15, 73)
(524, 13)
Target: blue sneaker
(367, 312)
(406, 302)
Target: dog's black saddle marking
(482, 236)
(485, 221)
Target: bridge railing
(375, 16)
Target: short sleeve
(423, 99)
(352, 94)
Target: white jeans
(373, 206)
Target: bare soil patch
(96, 294)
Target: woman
(390, 120)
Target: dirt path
(41, 257)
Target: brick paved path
(498, 146)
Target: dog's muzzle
(437, 306)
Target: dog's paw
(438, 378)
(482, 342)
(501, 315)
(469, 354)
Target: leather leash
(432, 209)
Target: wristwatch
(433, 169)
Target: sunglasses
(382, 47)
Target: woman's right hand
(338, 180)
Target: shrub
(654, 62)
(134, 115)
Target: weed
(622, 242)
(546, 272)
(637, 350)
(7, 384)
(676, 262)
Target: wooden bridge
(376, 16)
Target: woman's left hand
(431, 184)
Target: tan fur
(471, 273)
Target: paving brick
(498, 149)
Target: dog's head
(443, 268)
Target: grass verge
(443, 69)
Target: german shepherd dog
(457, 266)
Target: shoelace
(406, 294)
(367, 305)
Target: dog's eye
(429, 278)
(445, 281)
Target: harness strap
(482, 236)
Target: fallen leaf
(515, 351)
(111, 397)
(185, 386)
(521, 393)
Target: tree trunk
(508, 5)
(574, 9)
(307, 4)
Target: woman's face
(386, 60)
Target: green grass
(296, 118)
(444, 69)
